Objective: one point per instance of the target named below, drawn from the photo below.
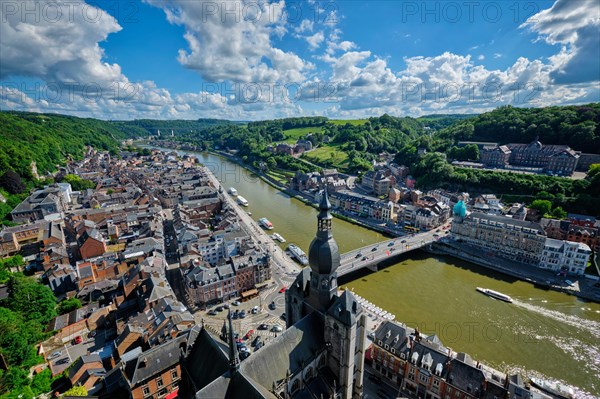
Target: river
(546, 334)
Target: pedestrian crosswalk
(265, 293)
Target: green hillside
(49, 139)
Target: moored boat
(298, 254)
(278, 237)
(242, 201)
(555, 389)
(232, 191)
(264, 222)
(495, 294)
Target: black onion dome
(324, 256)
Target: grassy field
(350, 121)
(294, 134)
(328, 156)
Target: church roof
(345, 308)
(301, 342)
(233, 387)
(207, 360)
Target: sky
(258, 59)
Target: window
(162, 392)
(146, 390)
(159, 383)
(174, 375)
(295, 386)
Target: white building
(565, 255)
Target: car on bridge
(403, 241)
(391, 244)
(364, 258)
(358, 255)
(374, 249)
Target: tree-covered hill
(577, 126)
(179, 127)
(49, 139)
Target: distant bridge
(371, 255)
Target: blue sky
(263, 59)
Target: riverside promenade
(278, 256)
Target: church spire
(234, 360)
(324, 218)
(323, 258)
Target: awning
(172, 395)
(249, 293)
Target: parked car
(282, 290)
(219, 309)
(371, 335)
(244, 354)
(242, 314)
(248, 334)
(225, 306)
(77, 340)
(276, 329)
(91, 334)
(212, 313)
(235, 315)
(263, 327)
(255, 341)
(255, 310)
(259, 345)
(569, 283)
(62, 361)
(272, 305)
(55, 355)
(235, 303)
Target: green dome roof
(460, 209)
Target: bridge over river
(371, 255)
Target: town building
(41, 204)
(495, 156)
(509, 238)
(553, 159)
(421, 366)
(570, 257)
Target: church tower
(324, 259)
